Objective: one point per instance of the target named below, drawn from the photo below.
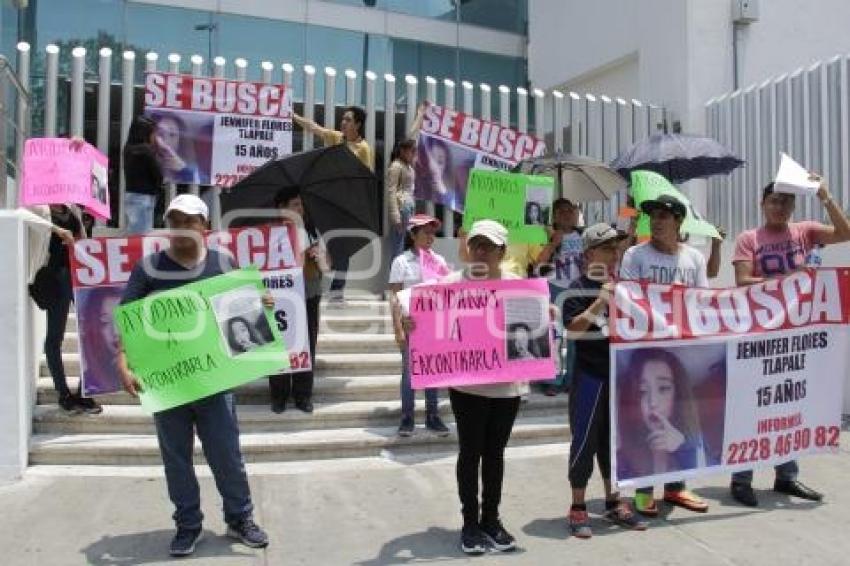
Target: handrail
(6, 67)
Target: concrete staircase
(356, 397)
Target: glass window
(437, 9)
(167, 30)
(271, 40)
(505, 15)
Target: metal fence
(597, 126)
(804, 114)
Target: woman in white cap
(484, 414)
(418, 264)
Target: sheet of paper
(793, 178)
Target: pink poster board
(480, 332)
(56, 173)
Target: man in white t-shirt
(665, 259)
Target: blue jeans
(215, 420)
(408, 395)
(784, 472)
(139, 210)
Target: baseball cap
(599, 234)
(664, 202)
(188, 204)
(491, 230)
(418, 220)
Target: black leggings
(484, 426)
(300, 385)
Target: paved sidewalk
(385, 511)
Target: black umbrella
(679, 157)
(339, 192)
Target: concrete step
(325, 390)
(142, 449)
(326, 364)
(328, 343)
(129, 419)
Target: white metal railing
(14, 94)
(598, 127)
(803, 113)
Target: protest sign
(216, 131)
(521, 203)
(721, 380)
(793, 178)
(196, 340)
(56, 173)
(452, 143)
(100, 269)
(648, 185)
(479, 332)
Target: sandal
(620, 513)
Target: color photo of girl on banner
(671, 413)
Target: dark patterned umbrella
(679, 157)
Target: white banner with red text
(452, 143)
(707, 381)
(101, 267)
(216, 131)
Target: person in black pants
(310, 243)
(57, 290)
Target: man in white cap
(188, 260)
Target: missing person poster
(215, 131)
(191, 342)
(521, 203)
(451, 144)
(480, 332)
(100, 269)
(61, 171)
(708, 381)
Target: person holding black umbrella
(351, 134)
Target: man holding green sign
(181, 366)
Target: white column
(330, 104)
(522, 109)
(128, 80)
(371, 114)
(267, 68)
(78, 67)
(197, 66)
(219, 66)
(350, 87)
(389, 118)
(50, 90)
(558, 120)
(431, 90)
(412, 85)
(485, 101)
(24, 107)
(309, 102)
(504, 105)
(288, 70)
(539, 113)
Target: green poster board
(522, 203)
(648, 185)
(199, 339)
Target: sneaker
(89, 406)
(279, 406)
(249, 533)
(68, 403)
(550, 390)
(405, 429)
(184, 541)
(435, 424)
(501, 539)
(304, 405)
(743, 493)
(620, 513)
(645, 504)
(579, 523)
(795, 488)
(686, 500)
(472, 540)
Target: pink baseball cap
(418, 220)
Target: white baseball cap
(491, 230)
(189, 204)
